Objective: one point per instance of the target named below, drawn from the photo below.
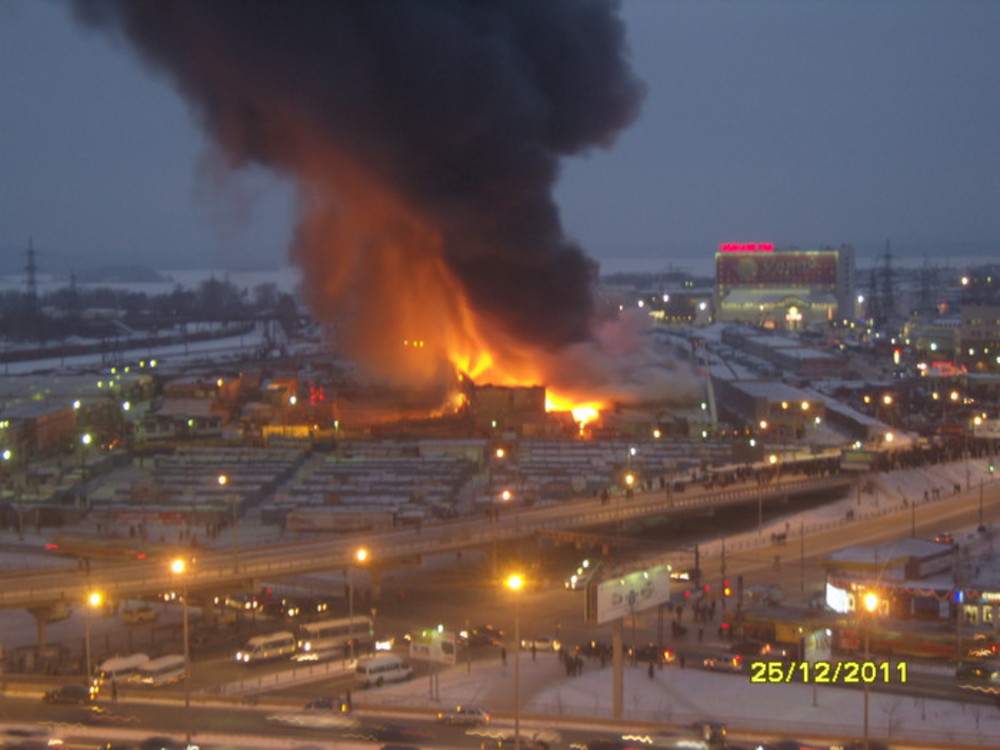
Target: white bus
(120, 668)
(264, 647)
(161, 671)
(375, 671)
(328, 638)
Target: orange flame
(373, 261)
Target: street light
(871, 602)
(515, 582)
(179, 568)
(94, 600)
(223, 480)
(85, 440)
(361, 557)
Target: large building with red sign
(790, 289)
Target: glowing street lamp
(85, 440)
(94, 600)
(515, 582)
(361, 556)
(223, 481)
(870, 602)
(179, 566)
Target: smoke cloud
(424, 138)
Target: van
(120, 668)
(264, 647)
(378, 670)
(160, 671)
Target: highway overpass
(220, 571)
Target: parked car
(481, 635)
(74, 693)
(466, 715)
(650, 652)
(971, 671)
(724, 663)
(541, 643)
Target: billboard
(434, 645)
(617, 596)
(791, 268)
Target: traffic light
(726, 591)
(992, 467)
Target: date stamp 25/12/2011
(827, 672)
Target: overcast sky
(798, 122)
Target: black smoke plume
(424, 137)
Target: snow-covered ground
(684, 695)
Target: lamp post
(94, 600)
(179, 568)
(515, 582)
(870, 602)
(85, 440)
(223, 480)
(361, 556)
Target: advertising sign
(434, 645)
(815, 268)
(616, 596)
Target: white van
(378, 670)
(161, 671)
(264, 647)
(120, 668)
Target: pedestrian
(503, 655)
(681, 657)
(532, 650)
(649, 672)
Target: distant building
(783, 413)
(978, 345)
(784, 289)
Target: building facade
(784, 289)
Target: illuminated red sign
(746, 247)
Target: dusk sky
(797, 122)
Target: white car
(541, 643)
(465, 716)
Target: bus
(120, 668)
(328, 638)
(266, 647)
(160, 671)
